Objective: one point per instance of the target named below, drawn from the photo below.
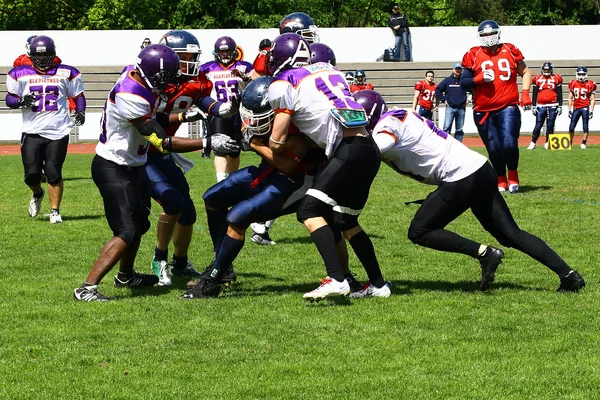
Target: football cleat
(34, 204)
(227, 279)
(531, 146)
(160, 268)
(490, 260)
(135, 280)
(205, 287)
(89, 293)
(187, 271)
(369, 290)
(55, 217)
(354, 283)
(513, 181)
(546, 146)
(261, 238)
(571, 283)
(502, 184)
(583, 146)
(329, 287)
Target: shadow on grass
(308, 239)
(531, 189)
(81, 217)
(406, 287)
(78, 178)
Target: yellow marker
(559, 141)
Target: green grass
(437, 337)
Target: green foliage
(437, 337)
(231, 14)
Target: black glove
(223, 144)
(27, 101)
(79, 118)
(591, 115)
(235, 104)
(570, 114)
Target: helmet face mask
(159, 66)
(42, 52)
(360, 77)
(350, 79)
(225, 50)
(255, 111)
(301, 24)
(582, 74)
(184, 43)
(547, 69)
(489, 33)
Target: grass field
(437, 337)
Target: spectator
(399, 25)
(491, 70)
(145, 43)
(582, 98)
(425, 95)
(46, 122)
(450, 93)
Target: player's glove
(525, 100)
(591, 115)
(155, 141)
(559, 110)
(235, 103)
(27, 101)
(192, 114)
(534, 110)
(246, 140)
(488, 75)
(570, 114)
(79, 118)
(223, 144)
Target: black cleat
(135, 280)
(205, 288)
(571, 283)
(355, 285)
(89, 293)
(187, 271)
(489, 264)
(229, 277)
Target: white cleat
(369, 290)
(34, 204)
(513, 187)
(531, 146)
(546, 146)
(329, 288)
(160, 268)
(583, 146)
(55, 218)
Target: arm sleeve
(466, 80)
(12, 100)
(80, 103)
(439, 91)
(390, 22)
(534, 96)
(384, 141)
(559, 95)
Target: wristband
(276, 141)
(181, 117)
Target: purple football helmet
(42, 52)
(289, 51)
(225, 50)
(373, 104)
(159, 66)
(301, 24)
(320, 52)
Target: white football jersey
(49, 116)
(225, 82)
(309, 94)
(415, 147)
(120, 141)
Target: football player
(547, 102)
(260, 67)
(41, 90)
(349, 78)
(128, 129)
(582, 99)
(301, 24)
(303, 95)
(168, 186)
(229, 77)
(490, 73)
(360, 82)
(425, 96)
(415, 147)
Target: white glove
(223, 144)
(488, 75)
(559, 110)
(192, 114)
(534, 110)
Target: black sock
(38, 195)
(325, 242)
(161, 254)
(180, 262)
(363, 248)
(55, 209)
(217, 226)
(230, 248)
(584, 141)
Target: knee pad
(32, 179)
(240, 215)
(415, 234)
(171, 201)
(188, 214)
(53, 173)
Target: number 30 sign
(560, 141)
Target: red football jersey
(503, 90)
(261, 62)
(548, 87)
(184, 97)
(427, 94)
(356, 87)
(582, 92)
